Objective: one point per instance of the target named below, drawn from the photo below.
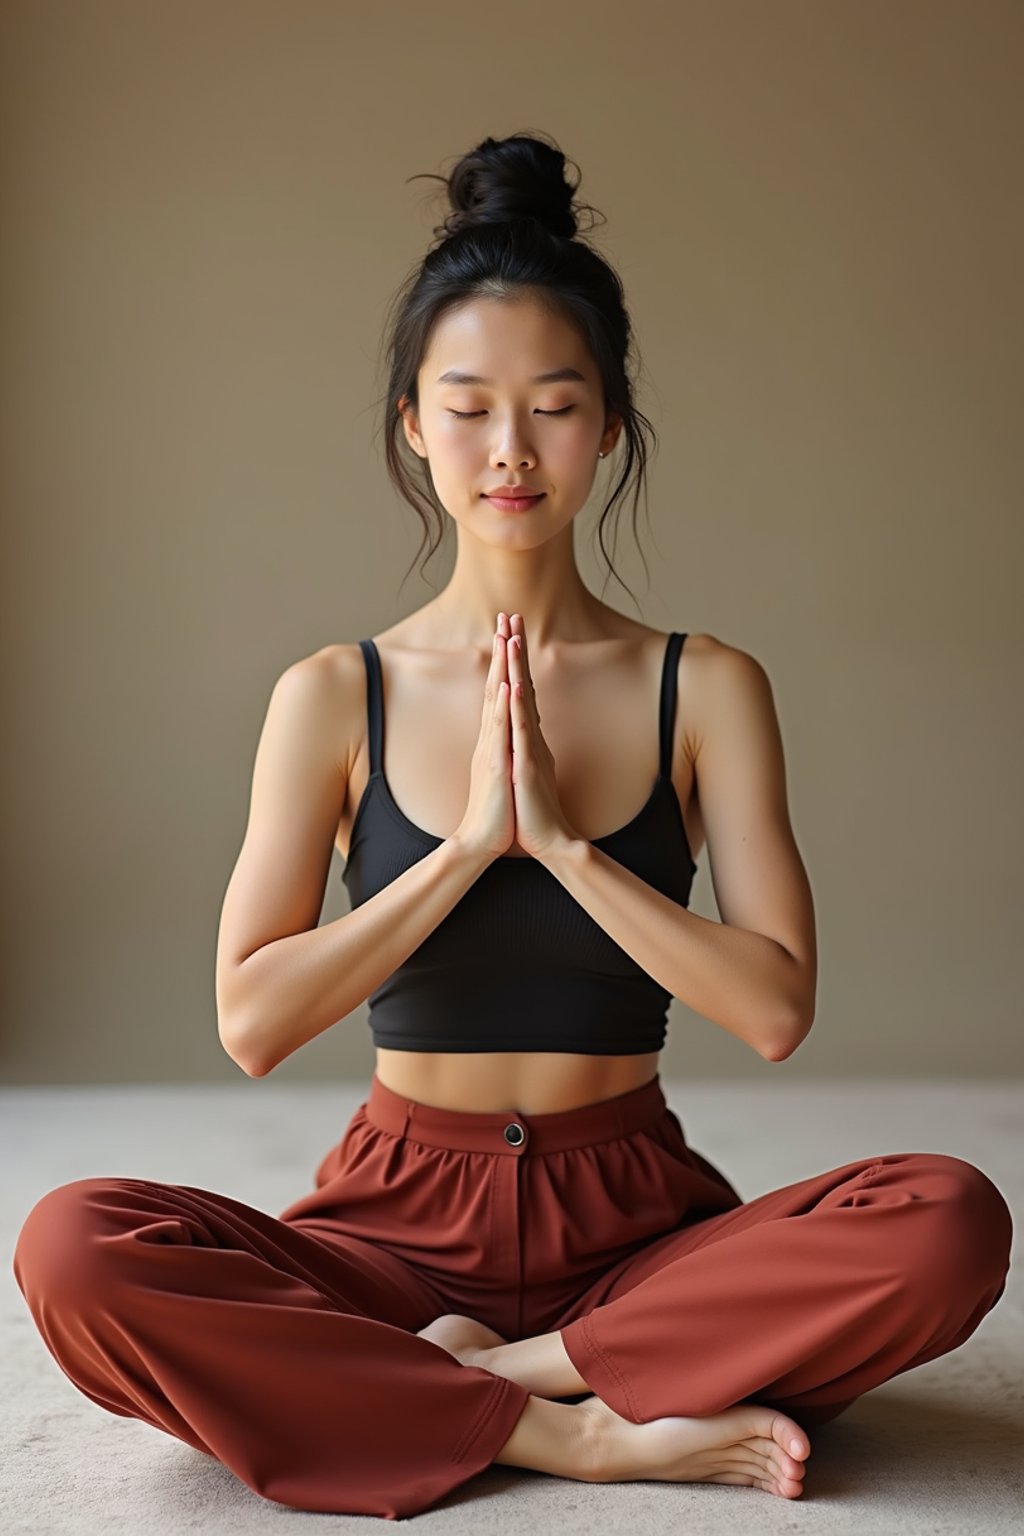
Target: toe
(766, 1477)
(790, 1437)
(781, 1462)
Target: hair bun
(503, 181)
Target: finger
(520, 631)
(516, 712)
(515, 667)
(503, 660)
(492, 670)
(520, 716)
(522, 687)
(497, 674)
(523, 660)
(513, 679)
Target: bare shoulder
(331, 683)
(714, 678)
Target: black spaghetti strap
(667, 713)
(374, 704)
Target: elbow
(250, 1068)
(793, 1020)
(233, 1040)
(235, 1027)
(253, 1070)
(784, 1042)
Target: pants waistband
(510, 1132)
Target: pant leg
(288, 1355)
(801, 1299)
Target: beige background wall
(813, 209)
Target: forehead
(508, 340)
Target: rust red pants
(286, 1346)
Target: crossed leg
(799, 1301)
(288, 1354)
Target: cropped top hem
(462, 1048)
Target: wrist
(464, 851)
(565, 851)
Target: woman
(513, 1255)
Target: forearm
(743, 981)
(294, 988)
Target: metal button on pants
(286, 1346)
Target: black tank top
(518, 964)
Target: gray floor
(938, 1450)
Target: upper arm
(299, 782)
(759, 878)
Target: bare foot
(744, 1444)
(462, 1337)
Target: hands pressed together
(513, 790)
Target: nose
(512, 448)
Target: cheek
(575, 444)
(455, 444)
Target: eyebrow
(456, 376)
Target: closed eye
(465, 415)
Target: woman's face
(511, 428)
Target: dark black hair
(512, 231)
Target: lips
(514, 503)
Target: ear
(612, 432)
(411, 426)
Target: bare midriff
(533, 1082)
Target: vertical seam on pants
(610, 1367)
(491, 1220)
(518, 1176)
